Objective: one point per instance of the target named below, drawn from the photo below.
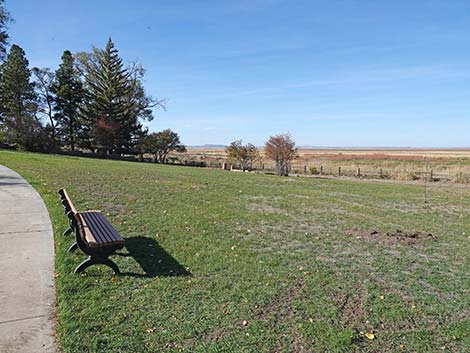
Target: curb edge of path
(27, 295)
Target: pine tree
(68, 91)
(108, 106)
(4, 20)
(18, 101)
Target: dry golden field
(402, 164)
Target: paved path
(26, 268)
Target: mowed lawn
(230, 262)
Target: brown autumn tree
(281, 148)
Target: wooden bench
(94, 235)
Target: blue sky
(332, 73)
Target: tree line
(92, 102)
(95, 102)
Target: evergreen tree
(68, 91)
(108, 107)
(4, 20)
(18, 101)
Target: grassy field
(230, 262)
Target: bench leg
(68, 231)
(97, 261)
(85, 264)
(110, 263)
(73, 247)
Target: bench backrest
(67, 202)
(76, 223)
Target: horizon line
(463, 148)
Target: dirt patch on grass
(351, 312)
(112, 208)
(280, 310)
(391, 238)
(280, 305)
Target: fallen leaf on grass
(150, 330)
(245, 323)
(114, 280)
(369, 335)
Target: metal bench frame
(96, 256)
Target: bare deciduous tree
(246, 155)
(43, 79)
(160, 144)
(281, 148)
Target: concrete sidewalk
(26, 268)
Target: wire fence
(430, 174)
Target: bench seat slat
(98, 231)
(111, 235)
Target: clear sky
(332, 73)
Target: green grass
(208, 250)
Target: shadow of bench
(152, 258)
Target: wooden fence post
(321, 170)
(305, 169)
(359, 172)
(339, 171)
(381, 173)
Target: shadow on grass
(152, 258)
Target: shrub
(314, 171)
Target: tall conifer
(17, 100)
(108, 107)
(5, 18)
(68, 91)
